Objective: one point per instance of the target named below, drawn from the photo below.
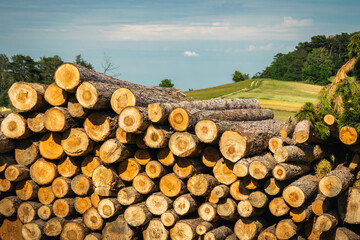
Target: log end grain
(179, 119)
(155, 112)
(75, 142)
(206, 131)
(55, 120)
(348, 135)
(97, 126)
(35, 122)
(23, 96)
(171, 186)
(50, 146)
(137, 215)
(232, 145)
(87, 95)
(130, 119)
(330, 186)
(67, 76)
(122, 98)
(55, 95)
(43, 172)
(183, 144)
(14, 126)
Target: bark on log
(137, 215)
(303, 213)
(58, 119)
(106, 181)
(286, 228)
(326, 221)
(248, 138)
(27, 211)
(55, 95)
(27, 152)
(155, 230)
(75, 109)
(288, 129)
(64, 207)
(6, 160)
(155, 169)
(336, 181)
(285, 171)
(303, 153)
(204, 227)
(82, 204)
(27, 190)
(219, 233)
(303, 131)
(43, 172)
(348, 206)
(321, 204)
(129, 196)
(246, 210)
(93, 220)
(14, 126)
(201, 184)
(185, 204)
(16, 173)
(27, 96)
(118, 229)
(346, 234)
(278, 207)
(299, 191)
(100, 126)
(61, 187)
(33, 230)
(157, 136)
(210, 156)
(158, 203)
(113, 151)
(273, 186)
(223, 172)
(6, 185)
(134, 119)
(74, 230)
(9, 205)
(227, 209)
(169, 218)
(50, 146)
(258, 199)
(166, 157)
(89, 164)
(68, 167)
(241, 167)
(144, 185)
(124, 137)
(278, 142)
(185, 144)
(128, 169)
(76, 142)
(348, 135)
(172, 186)
(268, 233)
(46, 195)
(82, 185)
(185, 229)
(261, 166)
(109, 207)
(220, 191)
(54, 227)
(238, 191)
(45, 212)
(143, 156)
(187, 167)
(246, 229)
(207, 211)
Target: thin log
(100, 126)
(45, 212)
(109, 207)
(93, 220)
(288, 129)
(74, 229)
(64, 207)
(134, 119)
(113, 151)
(55, 96)
(277, 142)
(95, 199)
(262, 166)
(75, 109)
(157, 136)
(207, 211)
(348, 135)
(169, 218)
(89, 164)
(6, 185)
(14, 126)
(321, 204)
(204, 227)
(82, 204)
(220, 191)
(185, 144)
(201, 184)
(299, 191)
(219, 233)
(227, 209)
(303, 131)
(16, 173)
(82, 185)
(27, 152)
(129, 196)
(172, 186)
(68, 167)
(27, 96)
(326, 221)
(223, 172)
(137, 215)
(61, 187)
(285, 171)
(43, 172)
(50, 146)
(303, 153)
(106, 181)
(241, 167)
(258, 199)
(238, 191)
(249, 228)
(46, 195)
(9, 205)
(128, 169)
(26, 190)
(158, 203)
(278, 207)
(27, 211)
(58, 119)
(245, 209)
(336, 181)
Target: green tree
(6, 80)
(238, 76)
(354, 45)
(47, 67)
(4, 62)
(81, 61)
(24, 68)
(318, 67)
(166, 83)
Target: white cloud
(268, 46)
(191, 54)
(290, 22)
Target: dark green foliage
(47, 67)
(81, 61)
(318, 67)
(166, 83)
(238, 76)
(354, 45)
(24, 68)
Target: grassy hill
(284, 98)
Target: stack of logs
(93, 157)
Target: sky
(195, 43)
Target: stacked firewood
(93, 157)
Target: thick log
(261, 166)
(246, 229)
(273, 186)
(278, 207)
(82, 204)
(303, 153)
(286, 228)
(326, 221)
(155, 230)
(303, 131)
(219, 233)
(27, 96)
(143, 156)
(209, 131)
(137, 215)
(336, 181)
(258, 199)
(299, 191)
(201, 184)
(61, 187)
(187, 167)
(50, 146)
(248, 138)
(185, 229)
(46, 195)
(26, 190)
(76, 142)
(155, 169)
(109, 207)
(144, 185)
(75, 109)
(321, 204)
(134, 119)
(27, 152)
(33, 230)
(157, 136)
(35, 122)
(45, 212)
(166, 157)
(82, 185)
(64, 207)
(27, 211)
(223, 172)
(128, 169)
(185, 144)
(6, 160)
(68, 167)
(185, 204)
(113, 151)
(89, 164)
(9, 205)
(43, 172)
(129, 196)
(10, 229)
(220, 191)
(54, 226)
(210, 156)
(169, 218)
(16, 173)
(55, 96)
(159, 112)
(118, 229)
(246, 210)
(268, 233)
(204, 227)
(346, 234)
(124, 137)
(348, 135)
(106, 181)
(227, 209)
(285, 171)
(172, 186)
(6, 185)
(207, 211)
(158, 203)
(58, 119)
(75, 229)
(348, 206)
(14, 126)
(93, 220)
(303, 213)
(100, 126)
(238, 191)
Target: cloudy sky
(195, 43)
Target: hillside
(283, 97)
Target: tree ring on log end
(121, 99)
(182, 144)
(54, 120)
(232, 145)
(97, 126)
(294, 196)
(67, 76)
(130, 119)
(170, 185)
(206, 131)
(330, 186)
(23, 96)
(181, 231)
(155, 112)
(154, 137)
(50, 146)
(179, 119)
(87, 95)
(13, 125)
(348, 135)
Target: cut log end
(155, 137)
(122, 98)
(14, 126)
(67, 76)
(206, 131)
(329, 119)
(43, 172)
(179, 119)
(23, 96)
(330, 186)
(232, 145)
(55, 120)
(348, 135)
(75, 142)
(184, 144)
(130, 119)
(98, 126)
(155, 112)
(137, 215)
(171, 186)
(35, 122)
(294, 196)
(87, 95)
(55, 95)
(50, 146)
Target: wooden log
(185, 144)
(278, 207)
(6, 144)
(27, 96)
(118, 229)
(27, 211)
(45, 212)
(75, 109)
(268, 233)
(204, 227)
(6, 185)
(74, 229)
(93, 236)
(11, 229)
(220, 191)
(248, 138)
(26, 190)
(286, 228)
(326, 221)
(336, 181)
(169, 218)
(68, 167)
(209, 131)
(95, 199)
(128, 169)
(187, 167)
(262, 166)
(166, 157)
(76, 142)
(137, 215)
(55, 96)
(9, 205)
(303, 131)
(155, 230)
(273, 186)
(124, 137)
(155, 169)
(134, 119)
(46, 195)
(348, 206)
(210, 155)
(321, 204)
(346, 234)
(223, 172)
(89, 164)
(207, 211)
(109, 207)
(27, 152)
(144, 185)
(58, 119)
(106, 181)
(82, 185)
(219, 233)
(172, 186)
(129, 196)
(100, 126)
(113, 151)
(299, 191)
(159, 112)
(157, 136)
(201, 184)
(61, 187)
(258, 199)
(140, 141)
(64, 207)
(14, 126)
(185, 229)
(6, 160)
(158, 203)
(249, 228)
(285, 171)
(43, 172)
(93, 220)
(348, 135)
(246, 210)
(241, 167)
(16, 173)
(238, 191)
(303, 153)
(33, 230)
(227, 209)
(251, 183)
(277, 142)
(54, 226)
(288, 129)
(82, 204)
(143, 156)
(50, 146)
(35, 122)
(185, 204)
(303, 213)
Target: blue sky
(196, 44)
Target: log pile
(93, 157)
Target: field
(284, 98)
